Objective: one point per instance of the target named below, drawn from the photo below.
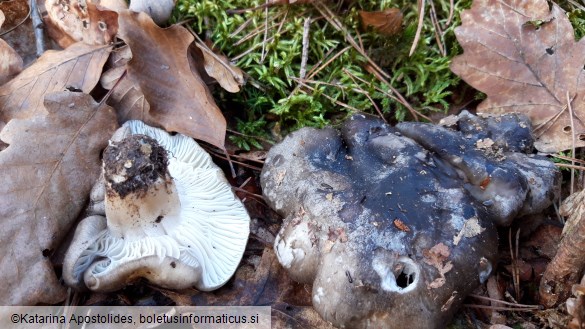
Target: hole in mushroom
(400, 276)
(567, 129)
(550, 51)
(159, 219)
(173, 264)
(581, 137)
(406, 276)
(46, 252)
(102, 26)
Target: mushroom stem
(141, 198)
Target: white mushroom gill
(190, 220)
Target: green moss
(273, 95)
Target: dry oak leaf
(525, 58)
(70, 21)
(173, 97)
(229, 77)
(78, 67)
(48, 170)
(10, 62)
(387, 22)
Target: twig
(572, 159)
(223, 157)
(377, 71)
(421, 17)
(316, 69)
(385, 92)
(305, 53)
(570, 166)
(576, 4)
(402, 100)
(351, 76)
(263, 53)
(229, 160)
(515, 277)
(246, 135)
(504, 302)
(241, 28)
(327, 96)
(37, 23)
(451, 12)
(256, 197)
(437, 29)
(516, 265)
(499, 308)
(249, 50)
(569, 100)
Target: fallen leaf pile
(524, 57)
(52, 130)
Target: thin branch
(37, 23)
(451, 12)
(305, 52)
(503, 301)
(569, 100)
(263, 56)
(421, 17)
(351, 76)
(327, 96)
(437, 29)
(497, 308)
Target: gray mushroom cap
(185, 228)
(395, 225)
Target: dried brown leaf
(525, 58)
(77, 67)
(229, 76)
(387, 22)
(15, 12)
(48, 170)
(10, 62)
(161, 89)
(70, 21)
(435, 257)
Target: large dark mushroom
(394, 226)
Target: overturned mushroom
(394, 226)
(169, 215)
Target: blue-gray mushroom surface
(395, 226)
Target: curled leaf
(163, 89)
(229, 76)
(387, 22)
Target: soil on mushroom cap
(137, 158)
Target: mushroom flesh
(162, 211)
(397, 225)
